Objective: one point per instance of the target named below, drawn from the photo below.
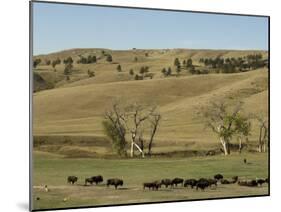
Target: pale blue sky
(60, 26)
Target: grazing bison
(261, 181)
(177, 181)
(166, 182)
(115, 182)
(72, 179)
(212, 182)
(225, 181)
(190, 182)
(267, 180)
(202, 184)
(251, 183)
(97, 179)
(89, 180)
(234, 179)
(218, 177)
(153, 185)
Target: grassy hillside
(76, 107)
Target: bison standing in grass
(89, 180)
(166, 182)
(97, 179)
(218, 177)
(202, 184)
(250, 183)
(115, 182)
(177, 181)
(153, 185)
(212, 182)
(190, 182)
(72, 179)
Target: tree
(224, 121)
(136, 59)
(68, 60)
(263, 133)
(131, 119)
(192, 70)
(164, 72)
(36, 62)
(131, 72)
(154, 121)
(119, 68)
(169, 71)
(114, 128)
(189, 63)
(68, 69)
(177, 62)
(91, 73)
(243, 128)
(109, 58)
(48, 62)
(178, 70)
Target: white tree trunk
(142, 153)
(132, 149)
(224, 145)
(240, 144)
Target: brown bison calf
(115, 182)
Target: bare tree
(243, 128)
(222, 119)
(154, 121)
(263, 133)
(132, 120)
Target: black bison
(89, 180)
(267, 180)
(153, 185)
(261, 181)
(177, 181)
(72, 179)
(225, 181)
(166, 182)
(97, 179)
(234, 179)
(218, 177)
(115, 182)
(190, 182)
(212, 182)
(250, 183)
(202, 184)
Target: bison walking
(115, 182)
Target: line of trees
(126, 125)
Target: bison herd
(201, 183)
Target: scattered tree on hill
(178, 70)
(146, 54)
(184, 63)
(164, 72)
(144, 70)
(136, 59)
(169, 71)
(225, 121)
(243, 128)
(90, 59)
(189, 63)
(177, 62)
(55, 62)
(192, 70)
(48, 62)
(131, 72)
(68, 69)
(109, 58)
(91, 73)
(119, 68)
(68, 60)
(36, 62)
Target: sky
(58, 27)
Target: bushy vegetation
(119, 68)
(91, 73)
(87, 60)
(233, 65)
(56, 62)
(36, 62)
(109, 58)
